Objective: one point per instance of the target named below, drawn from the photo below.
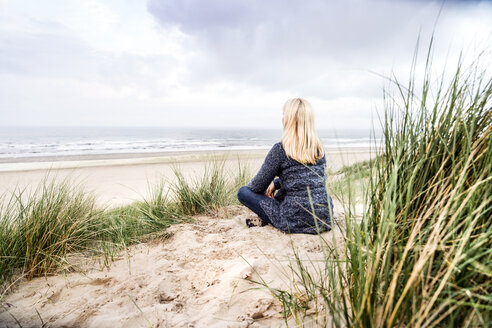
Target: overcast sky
(216, 63)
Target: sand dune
(196, 278)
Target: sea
(17, 142)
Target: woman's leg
(252, 200)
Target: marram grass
(427, 230)
(214, 189)
(421, 256)
(39, 228)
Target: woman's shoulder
(278, 148)
(276, 153)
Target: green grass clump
(139, 221)
(38, 229)
(159, 211)
(214, 189)
(422, 254)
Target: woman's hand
(270, 192)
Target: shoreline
(125, 155)
(120, 159)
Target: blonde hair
(299, 139)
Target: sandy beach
(197, 278)
(200, 277)
(122, 178)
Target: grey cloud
(193, 15)
(286, 45)
(44, 54)
(52, 51)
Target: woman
(296, 201)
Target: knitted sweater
(291, 210)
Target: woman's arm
(268, 171)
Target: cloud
(49, 50)
(45, 53)
(216, 62)
(317, 48)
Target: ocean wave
(92, 141)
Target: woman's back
(301, 187)
(296, 178)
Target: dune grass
(216, 188)
(427, 227)
(207, 193)
(39, 228)
(421, 255)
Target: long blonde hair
(299, 139)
